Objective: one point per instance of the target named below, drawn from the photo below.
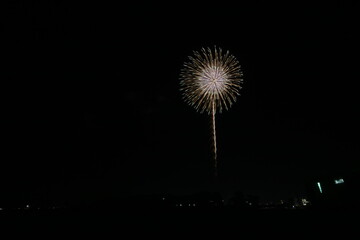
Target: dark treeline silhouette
(334, 191)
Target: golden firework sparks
(211, 81)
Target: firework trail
(211, 80)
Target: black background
(91, 101)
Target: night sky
(91, 103)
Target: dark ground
(172, 222)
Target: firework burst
(211, 81)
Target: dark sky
(92, 105)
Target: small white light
(319, 186)
(304, 201)
(338, 181)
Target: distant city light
(338, 181)
(319, 185)
(304, 202)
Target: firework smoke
(210, 81)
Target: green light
(338, 181)
(319, 185)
